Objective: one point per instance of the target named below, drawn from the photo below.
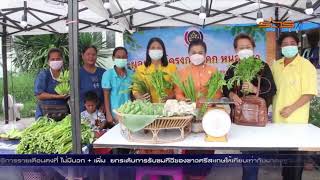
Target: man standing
(296, 81)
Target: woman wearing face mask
(199, 70)
(201, 74)
(116, 82)
(244, 46)
(46, 82)
(296, 80)
(156, 59)
(90, 76)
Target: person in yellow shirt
(296, 82)
(156, 59)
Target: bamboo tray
(162, 130)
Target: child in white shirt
(96, 119)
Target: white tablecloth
(302, 137)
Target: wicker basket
(174, 128)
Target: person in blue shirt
(116, 83)
(90, 76)
(46, 81)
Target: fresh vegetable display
(12, 134)
(186, 86)
(45, 136)
(139, 85)
(182, 108)
(141, 107)
(64, 77)
(157, 80)
(314, 117)
(246, 70)
(63, 88)
(215, 83)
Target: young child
(96, 118)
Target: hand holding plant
(245, 71)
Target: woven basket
(179, 127)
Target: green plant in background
(31, 51)
(256, 32)
(95, 39)
(21, 86)
(130, 41)
(314, 117)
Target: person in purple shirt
(90, 76)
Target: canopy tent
(50, 16)
(160, 13)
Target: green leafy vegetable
(215, 83)
(63, 88)
(45, 136)
(138, 84)
(157, 80)
(141, 107)
(246, 70)
(187, 86)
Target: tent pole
(5, 71)
(74, 74)
(278, 31)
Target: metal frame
(5, 71)
(74, 74)
(153, 4)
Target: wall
(271, 47)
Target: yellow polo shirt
(296, 79)
(143, 71)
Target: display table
(301, 137)
(8, 146)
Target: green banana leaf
(137, 122)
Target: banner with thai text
(219, 40)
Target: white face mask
(245, 53)
(197, 59)
(155, 54)
(56, 65)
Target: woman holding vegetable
(116, 82)
(244, 46)
(45, 84)
(90, 76)
(192, 85)
(199, 72)
(155, 73)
